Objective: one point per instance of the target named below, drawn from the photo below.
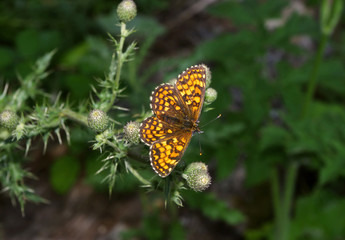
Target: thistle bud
(9, 119)
(198, 179)
(210, 95)
(196, 166)
(126, 10)
(131, 131)
(98, 120)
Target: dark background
(261, 54)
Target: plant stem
(113, 146)
(74, 116)
(276, 201)
(290, 180)
(119, 62)
(282, 201)
(313, 76)
(119, 54)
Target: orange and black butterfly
(177, 109)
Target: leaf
(28, 43)
(64, 173)
(334, 164)
(73, 56)
(7, 57)
(258, 167)
(247, 12)
(227, 159)
(213, 208)
(221, 132)
(273, 136)
(319, 216)
(235, 11)
(335, 70)
(177, 231)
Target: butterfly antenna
(212, 121)
(199, 145)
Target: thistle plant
(51, 116)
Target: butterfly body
(176, 110)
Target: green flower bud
(331, 11)
(126, 10)
(196, 166)
(198, 179)
(210, 95)
(9, 119)
(131, 131)
(208, 75)
(98, 120)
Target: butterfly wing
(165, 154)
(165, 101)
(167, 144)
(152, 129)
(191, 85)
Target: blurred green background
(262, 55)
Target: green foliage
(64, 173)
(12, 177)
(281, 100)
(280, 125)
(213, 208)
(316, 214)
(153, 228)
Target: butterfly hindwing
(167, 153)
(152, 129)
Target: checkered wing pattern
(167, 153)
(176, 109)
(191, 85)
(152, 130)
(165, 100)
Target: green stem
(276, 201)
(113, 146)
(313, 76)
(290, 180)
(119, 63)
(74, 116)
(282, 201)
(119, 54)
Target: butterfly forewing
(191, 86)
(165, 101)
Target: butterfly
(176, 110)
